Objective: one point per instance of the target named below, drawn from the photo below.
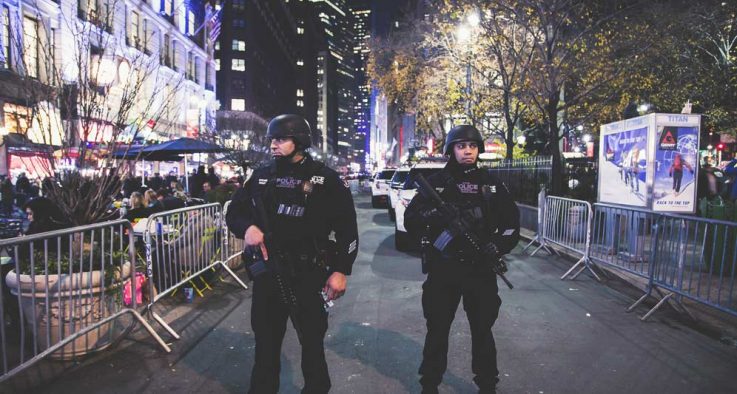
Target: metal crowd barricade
(528, 217)
(567, 224)
(74, 285)
(540, 234)
(181, 245)
(694, 258)
(622, 238)
(233, 245)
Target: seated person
(151, 201)
(137, 209)
(168, 201)
(43, 215)
(208, 194)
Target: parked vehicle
(402, 240)
(400, 175)
(380, 188)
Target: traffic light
(720, 146)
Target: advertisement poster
(624, 169)
(676, 161)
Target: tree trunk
(509, 138)
(556, 178)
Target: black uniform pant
(269, 322)
(441, 294)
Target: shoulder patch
(320, 180)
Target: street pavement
(552, 336)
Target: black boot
(428, 389)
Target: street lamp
(586, 138)
(464, 34)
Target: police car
(402, 240)
(400, 175)
(380, 188)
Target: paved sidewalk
(553, 336)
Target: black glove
(432, 217)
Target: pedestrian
(676, 171)
(7, 197)
(455, 273)
(156, 182)
(731, 170)
(212, 178)
(305, 201)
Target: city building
(257, 57)
(337, 81)
(361, 11)
(267, 64)
(96, 71)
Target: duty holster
(254, 263)
(424, 249)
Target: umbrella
(179, 146)
(135, 152)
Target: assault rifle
(457, 228)
(279, 264)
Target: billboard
(625, 168)
(676, 161)
(651, 162)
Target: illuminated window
(217, 64)
(5, 60)
(237, 104)
(30, 46)
(300, 30)
(300, 62)
(133, 32)
(165, 51)
(239, 45)
(300, 103)
(300, 93)
(174, 55)
(217, 45)
(190, 22)
(168, 6)
(238, 65)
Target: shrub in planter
(61, 294)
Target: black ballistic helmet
(293, 126)
(460, 133)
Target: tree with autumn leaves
(550, 65)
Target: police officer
(453, 274)
(304, 201)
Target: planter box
(72, 303)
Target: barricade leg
(237, 279)
(536, 239)
(151, 331)
(639, 300)
(162, 323)
(583, 264)
(657, 306)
